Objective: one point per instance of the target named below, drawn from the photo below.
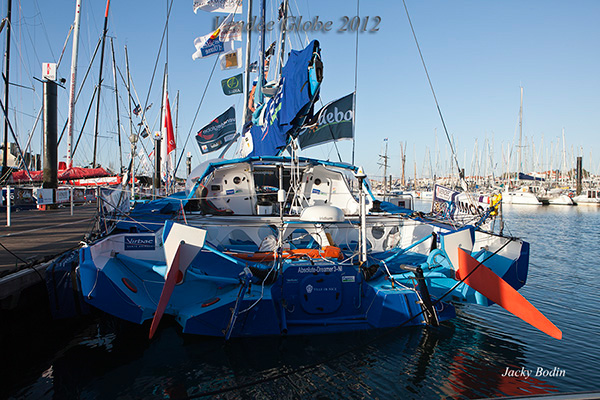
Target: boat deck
(35, 237)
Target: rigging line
(18, 46)
(45, 30)
(62, 53)
(143, 115)
(296, 30)
(87, 114)
(162, 40)
(196, 115)
(27, 264)
(331, 132)
(81, 86)
(431, 86)
(144, 121)
(355, 87)
(22, 156)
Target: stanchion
(8, 201)
(71, 200)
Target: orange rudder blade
(486, 282)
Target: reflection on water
(465, 358)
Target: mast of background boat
(520, 161)
(100, 83)
(385, 166)
(564, 157)
(72, 84)
(132, 137)
(158, 140)
(117, 103)
(6, 71)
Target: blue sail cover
(293, 95)
(525, 177)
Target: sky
(478, 54)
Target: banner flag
(232, 85)
(333, 122)
(218, 133)
(231, 60)
(212, 43)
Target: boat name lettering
(139, 243)
(312, 270)
(310, 289)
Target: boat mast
(132, 137)
(261, 56)
(283, 15)
(520, 162)
(117, 103)
(6, 71)
(245, 117)
(564, 154)
(403, 160)
(100, 83)
(385, 166)
(72, 84)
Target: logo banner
(232, 85)
(332, 122)
(218, 133)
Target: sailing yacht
(269, 244)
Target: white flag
(210, 44)
(231, 31)
(231, 60)
(224, 6)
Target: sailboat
(520, 193)
(273, 244)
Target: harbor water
(483, 353)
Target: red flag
(168, 124)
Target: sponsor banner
(218, 133)
(20, 197)
(232, 85)
(333, 122)
(44, 196)
(139, 242)
(63, 195)
(212, 43)
(457, 206)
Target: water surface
(468, 357)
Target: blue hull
(304, 299)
